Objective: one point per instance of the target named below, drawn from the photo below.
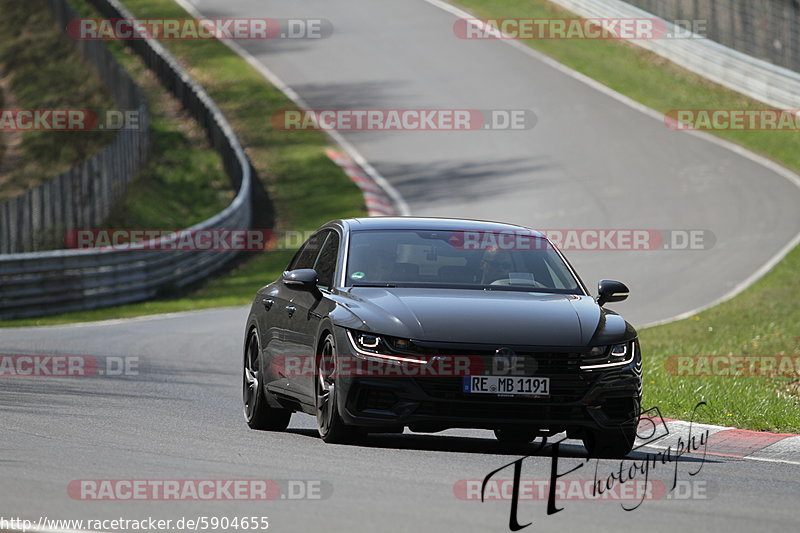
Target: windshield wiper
(387, 285)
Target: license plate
(507, 385)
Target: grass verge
(183, 181)
(42, 69)
(761, 321)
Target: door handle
(267, 303)
(290, 309)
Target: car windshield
(496, 260)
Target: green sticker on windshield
(357, 275)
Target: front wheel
(330, 425)
(613, 443)
(257, 412)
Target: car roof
(432, 223)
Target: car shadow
(460, 444)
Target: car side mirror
(611, 291)
(302, 279)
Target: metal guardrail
(774, 85)
(42, 283)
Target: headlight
(619, 352)
(382, 347)
(368, 342)
(609, 356)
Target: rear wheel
(330, 425)
(613, 443)
(257, 412)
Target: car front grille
(563, 369)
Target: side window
(308, 253)
(326, 262)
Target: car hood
(476, 316)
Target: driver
(495, 264)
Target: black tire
(330, 425)
(257, 412)
(610, 443)
(515, 436)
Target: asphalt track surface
(181, 418)
(591, 162)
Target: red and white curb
(378, 202)
(726, 441)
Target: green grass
(765, 319)
(292, 165)
(44, 70)
(307, 188)
(183, 181)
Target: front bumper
(602, 398)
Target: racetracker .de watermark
(68, 120)
(579, 490)
(382, 365)
(194, 29)
(69, 366)
(404, 119)
(206, 240)
(586, 239)
(168, 490)
(733, 366)
(733, 119)
(579, 28)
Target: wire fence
(84, 195)
(766, 29)
(57, 281)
